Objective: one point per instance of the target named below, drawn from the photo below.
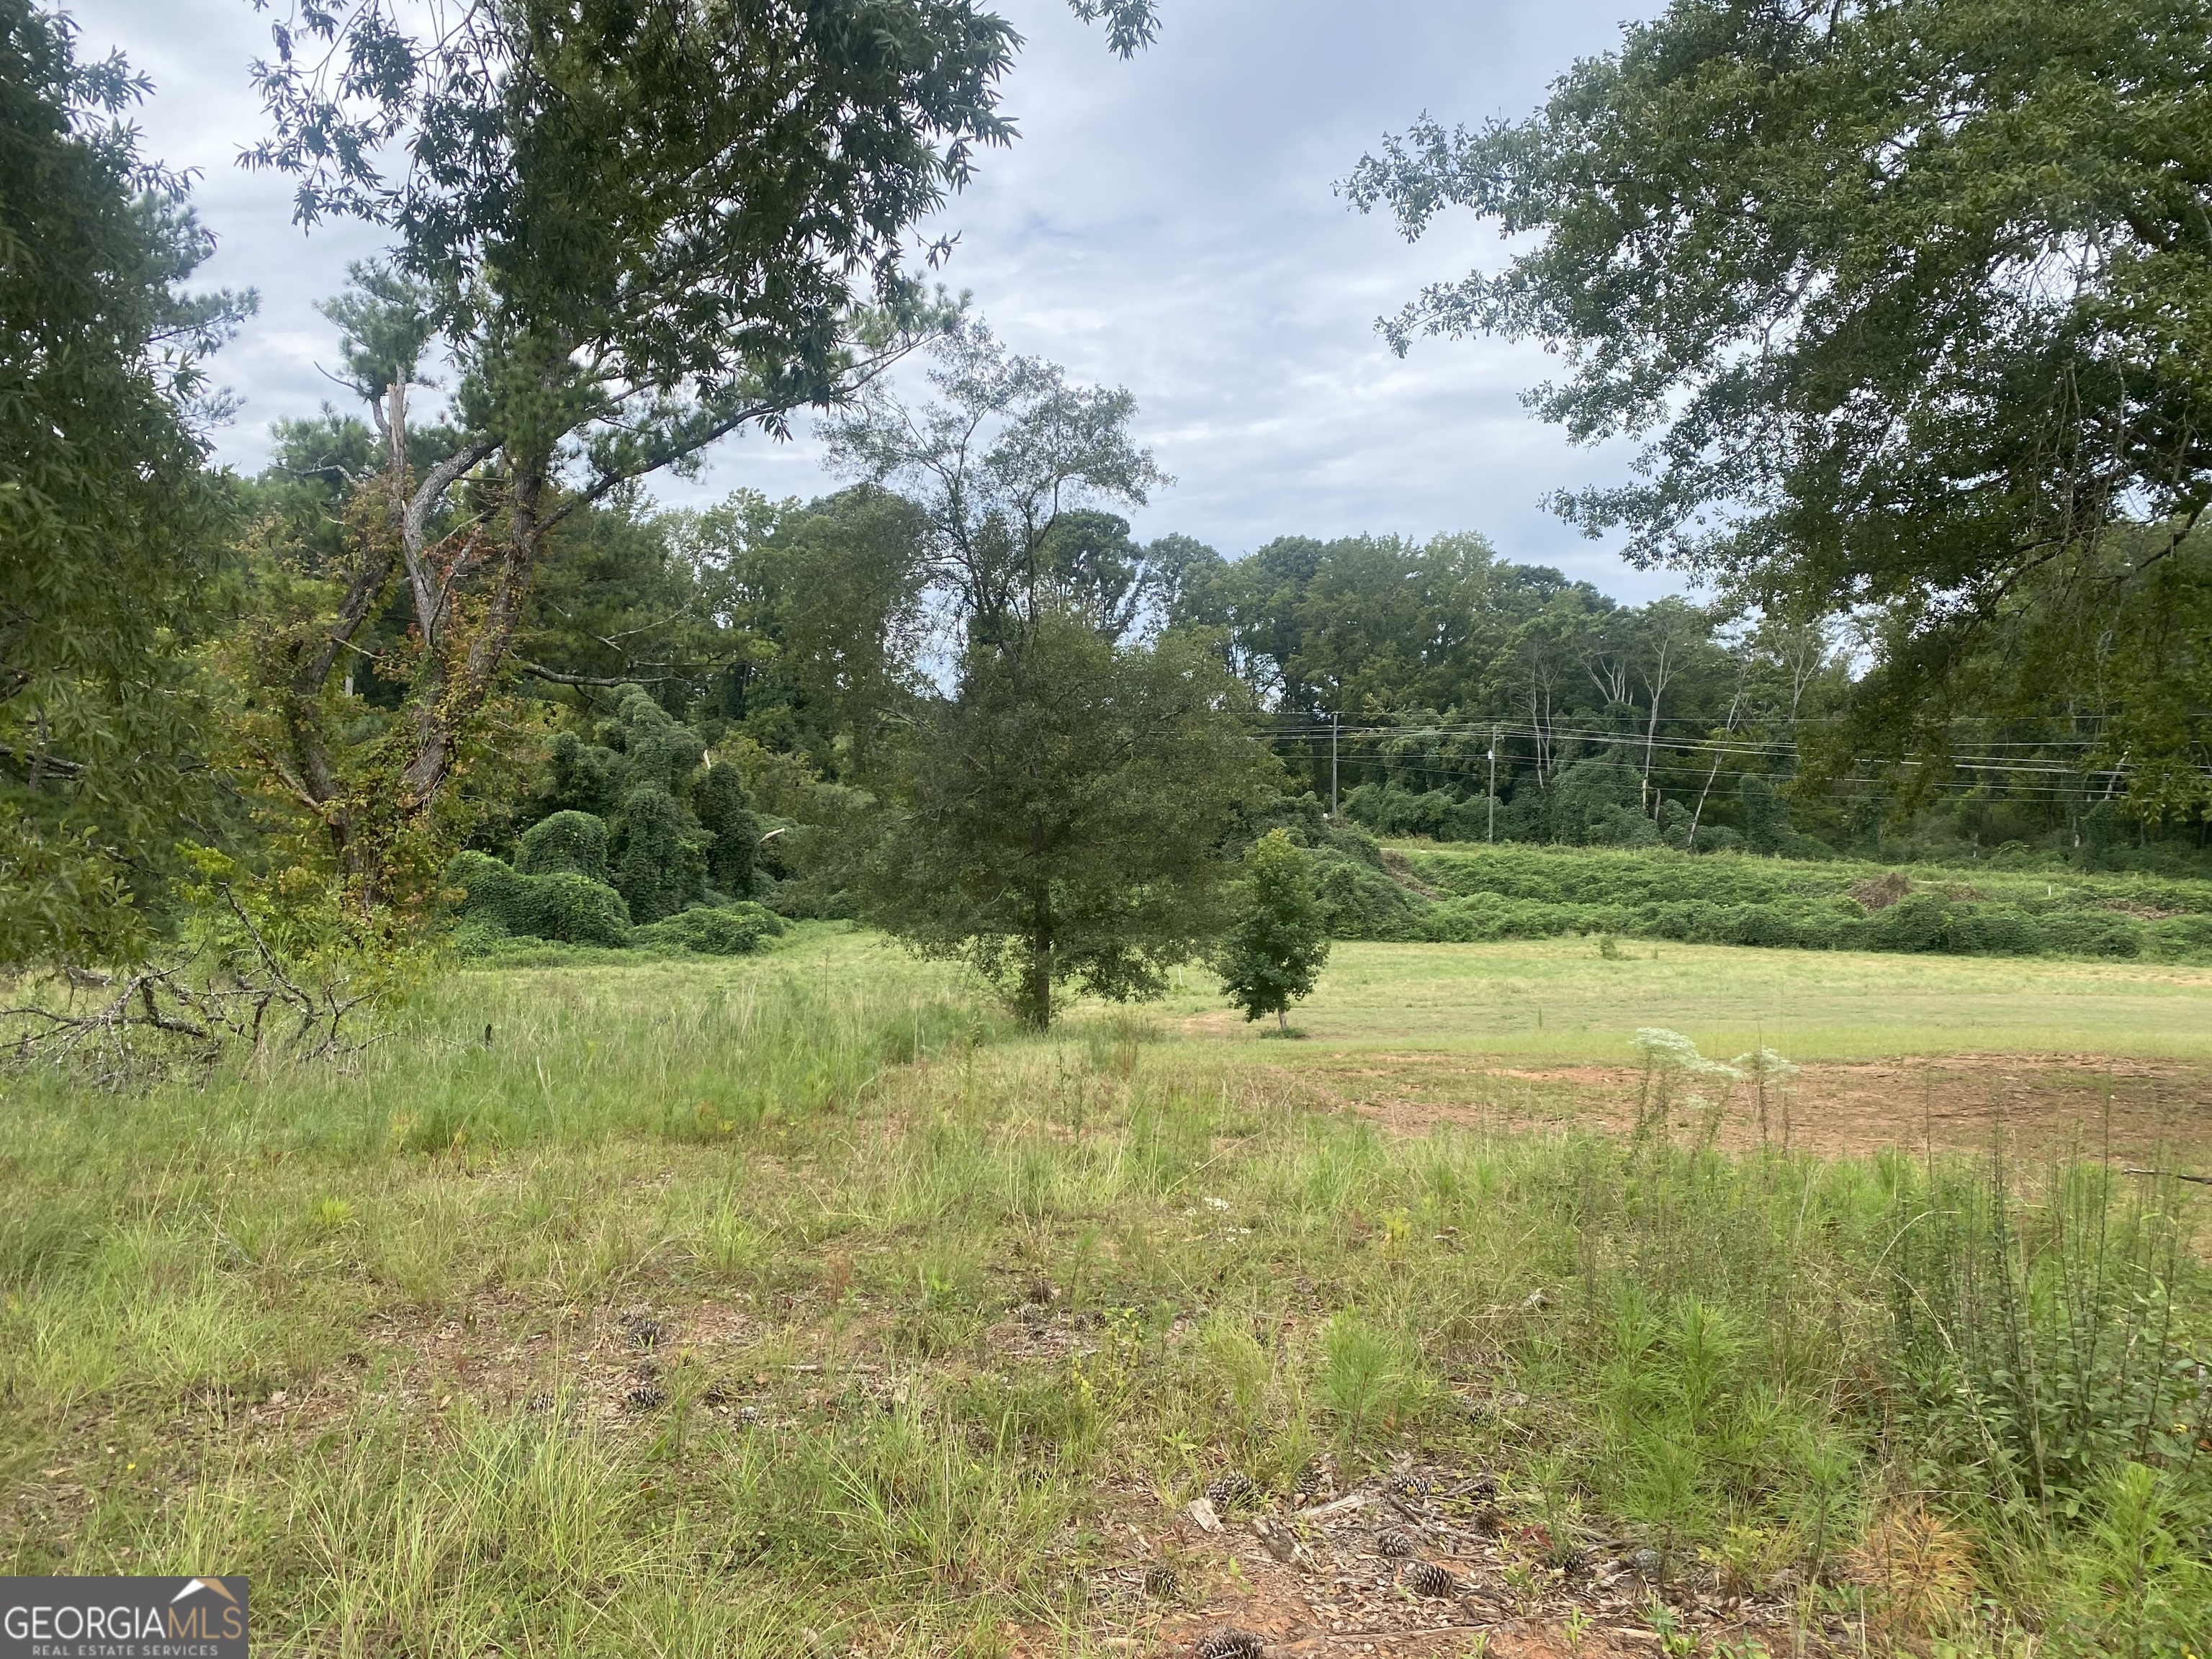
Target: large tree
(1910, 304)
(626, 232)
(1059, 814)
(1010, 462)
(823, 608)
(111, 529)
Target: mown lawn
(796, 1305)
(1561, 1000)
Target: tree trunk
(1282, 1018)
(1041, 977)
(447, 699)
(1729, 730)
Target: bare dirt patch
(2035, 1105)
(1334, 1571)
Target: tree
(111, 527)
(629, 231)
(1277, 947)
(824, 605)
(1002, 464)
(1060, 818)
(1908, 300)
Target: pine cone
(1162, 1582)
(1395, 1543)
(1411, 1485)
(1310, 1480)
(1228, 1644)
(1427, 1578)
(1226, 1491)
(646, 1397)
(644, 1330)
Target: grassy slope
(1557, 873)
(359, 1337)
(1519, 892)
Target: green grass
(946, 1310)
(1812, 1005)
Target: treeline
(1443, 692)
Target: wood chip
(1342, 1506)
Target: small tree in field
(1277, 945)
(1058, 819)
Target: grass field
(1560, 1001)
(796, 1305)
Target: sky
(1169, 224)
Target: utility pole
(1332, 767)
(1489, 831)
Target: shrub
(1360, 902)
(2177, 938)
(734, 930)
(658, 858)
(575, 910)
(490, 890)
(2094, 933)
(564, 906)
(570, 841)
(1531, 892)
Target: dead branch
(189, 1012)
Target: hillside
(1421, 891)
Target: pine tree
(1277, 945)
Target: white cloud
(1166, 224)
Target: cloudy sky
(1167, 224)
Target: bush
(575, 910)
(1358, 901)
(659, 858)
(734, 930)
(2175, 938)
(564, 906)
(2094, 933)
(570, 841)
(1537, 892)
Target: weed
(921, 1345)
